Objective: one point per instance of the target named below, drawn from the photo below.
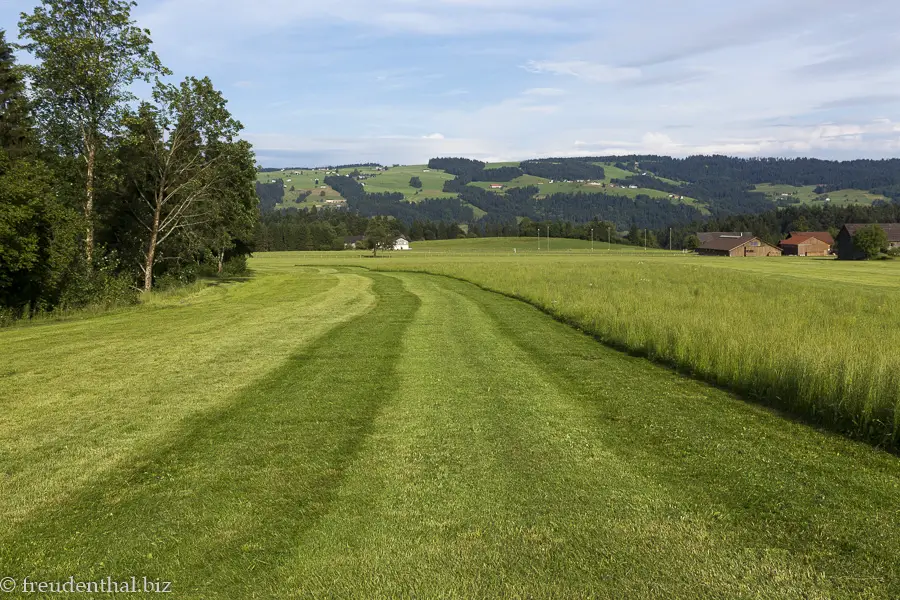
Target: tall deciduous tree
(16, 135)
(871, 241)
(37, 242)
(379, 235)
(89, 53)
(185, 172)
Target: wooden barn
(807, 243)
(736, 244)
(845, 248)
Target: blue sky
(401, 81)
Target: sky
(402, 81)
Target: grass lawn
(333, 432)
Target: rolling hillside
(648, 191)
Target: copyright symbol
(7, 584)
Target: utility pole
(548, 238)
(609, 239)
(592, 239)
(645, 240)
(670, 239)
(539, 239)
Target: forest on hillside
(724, 186)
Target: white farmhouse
(401, 244)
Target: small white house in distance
(401, 244)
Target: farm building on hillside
(845, 248)
(401, 244)
(496, 186)
(807, 243)
(740, 244)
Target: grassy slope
(611, 172)
(397, 179)
(302, 182)
(422, 438)
(806, 195)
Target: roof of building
(705, 236)
(795, 240)
(891, 229)
(819, 235)
(727, 241)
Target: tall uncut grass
(827, 351)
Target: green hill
(650, 191)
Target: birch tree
(179, 152)
(88, 53)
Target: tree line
(328, 229)
(103, 196)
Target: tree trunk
(151, 252)
(90, 157)
(221, 260)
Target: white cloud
(544, 92)
(352, 77)
(594, 72)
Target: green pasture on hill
(807, 195)
(596, 187)
(303, 181)
(396, 179)
(336, 432)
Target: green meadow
(337, 432)
(807, 195)
(396, 179)
(807, 336)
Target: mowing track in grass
(447, 442)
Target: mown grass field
(320, 432)
(809, 336)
